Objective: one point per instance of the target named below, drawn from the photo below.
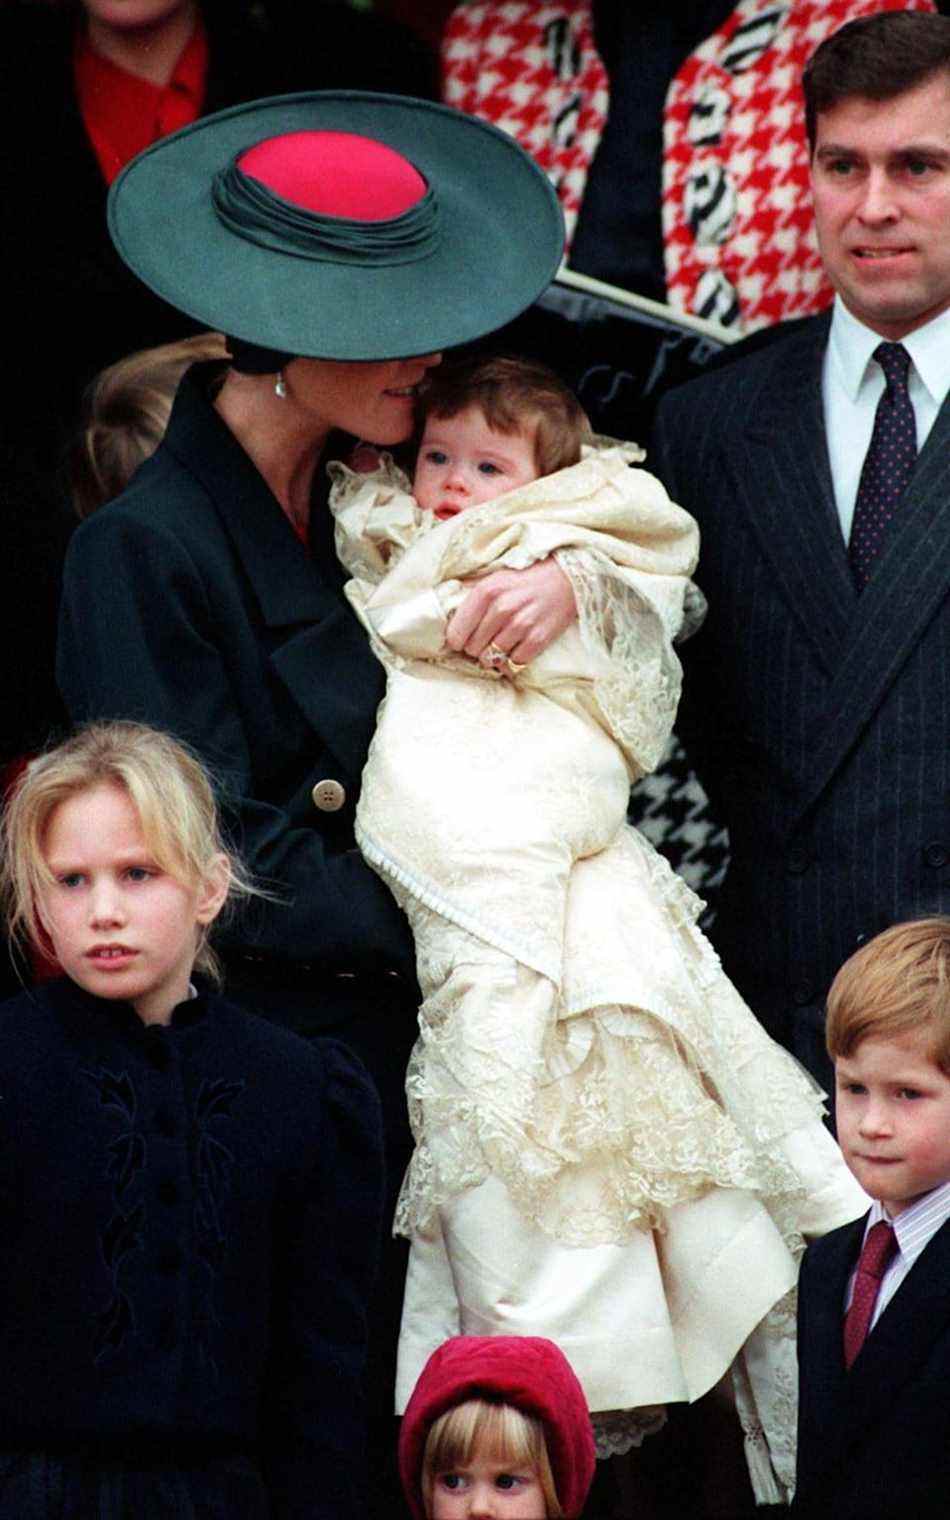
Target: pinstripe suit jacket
(818, 720)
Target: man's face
(880, 178)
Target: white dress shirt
(853, 383)
(914, 1228)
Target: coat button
(935, 854)
(329, 796)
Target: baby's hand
(519, 612)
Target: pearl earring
(280, 388)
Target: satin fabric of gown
(609, 1149)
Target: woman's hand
(520, 612)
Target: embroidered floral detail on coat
(123, 1232)
(214, 1164)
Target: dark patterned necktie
(880, 1243)
(888, 463)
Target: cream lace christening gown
(610, 1151)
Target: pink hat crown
(329, 194)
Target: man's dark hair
(877, 57)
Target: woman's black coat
(189, 603)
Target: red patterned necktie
(888, 463)
(879, 1246)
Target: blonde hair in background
(514, 396)
(898, 983)
(170, 791)
(499, 1432)
(125, 414)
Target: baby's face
(463, 462)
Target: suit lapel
(902, 1339)
(784, 484)
(909, 585)
(847, 1407)
(284, 580)
(341, 710)
(299, 597)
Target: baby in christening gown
(610, 1151)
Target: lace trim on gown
(600, 1121)
(617, 1431)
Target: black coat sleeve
(155, 629)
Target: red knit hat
(525, 1371)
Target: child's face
(463, 462)
(490, 1489)
(892, 1107)
(121, 926)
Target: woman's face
(372, 401)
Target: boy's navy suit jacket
(874, 1442)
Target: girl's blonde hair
(898, 983)
(497, 1431)
(125, 414)
(170, 791)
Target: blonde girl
(190, 1196)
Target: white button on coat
(329, 796)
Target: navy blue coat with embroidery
(189, 1217)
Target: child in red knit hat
(497, 1426)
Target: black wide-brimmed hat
(340, 224)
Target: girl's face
(489, 1489)
(374, 401)
(121, 927)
